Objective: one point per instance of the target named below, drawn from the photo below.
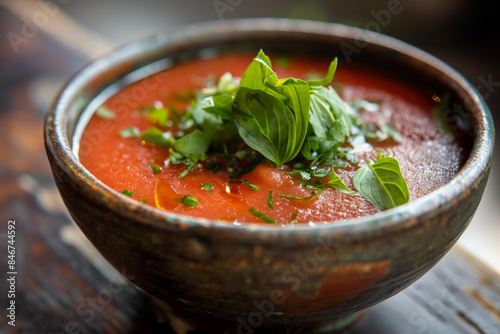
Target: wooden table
(62, 285)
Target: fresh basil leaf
(219, 105)
(130, 132)
(382, 184)
(335, 182)
(213, 116)
(298, 97)
(157, 137)
(261, 216)
(159, 116)
(258, 74)
(226, 83)
(187, 201)
(156, 169)
(207, 186)
(200, 116)
(320, 172)
(328, 116)
(195, 142)
(328, 78)
(104, 112)
(127, 193)
(270, 200)
(265, 124)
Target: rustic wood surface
(64, 286)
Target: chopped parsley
(157, 137)
(187, 200)
(252, 186)
(130, 132)
(159, 116)
(207, 186)
(104, 112)
(262, 216)
(270, 200)
(156, 169)
(127, 193)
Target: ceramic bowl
(258, 275)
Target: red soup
(133, 144)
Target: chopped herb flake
(157, 137)
(159, 117)
(293, 218)
(335, 182)
(270, 200)
(313, 194)
(252, 186)
(156, 169)
(127, 193)
(207, 186)
(187, 200)
(104, 112)
(130, 132)
(262, 216)
(389, 132)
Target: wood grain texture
(63, 286)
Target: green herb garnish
(159, 116)
(313, 194)
(270, 200)
(271, 115)
(262, 216)
(276, 120)
(207, 186)
(195, 142)
(389, 132)
(156, 169)
(252, 186)
(157, 137)
(335, 182)
(127, 193)
(382, 183)
(130, 132)
(104, 112)
(191, 161)
(187, 200)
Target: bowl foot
(184, 322)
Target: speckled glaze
(261, 275)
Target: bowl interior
(352, 46)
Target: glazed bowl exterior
(256, 272)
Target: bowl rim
(477, 164)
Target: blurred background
(463, 33)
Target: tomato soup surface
(428, 158)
